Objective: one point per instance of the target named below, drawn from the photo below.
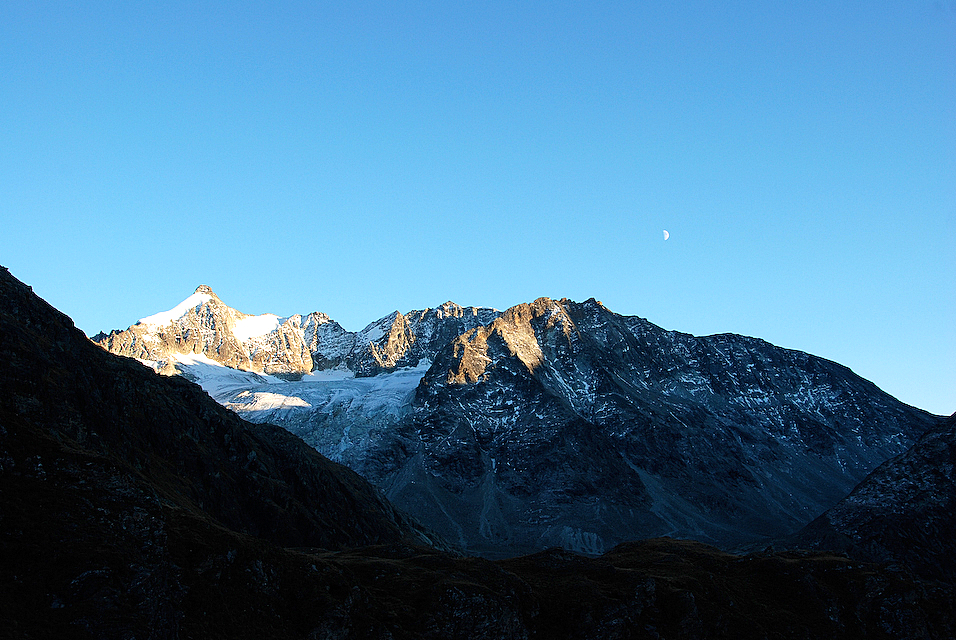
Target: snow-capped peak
(203, 295)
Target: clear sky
(361, 157)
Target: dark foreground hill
(133, 506)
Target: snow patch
(251, 327)
(177, 312)
(372, 333)
(197, 358)
(268, 401)
(327, 375)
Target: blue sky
(357, 158)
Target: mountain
(133, 506)
(202, 324)
(564, 424)
(398, 341)
(903, 512)
(559, 423)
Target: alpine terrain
(553, 423)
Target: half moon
(666, 235)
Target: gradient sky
(357, 158)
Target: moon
(666, 235)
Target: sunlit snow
(214, 377)
(371, 333)
(160, 319)
(255, 326)
(267, 401)
(328, 375)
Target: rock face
(406, 340)
(558, 423)
(903, 512)
(133, 506)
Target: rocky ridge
(203, 324)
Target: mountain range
(553, 423)
(134, 506)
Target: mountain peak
(205, 289)
(449, 309)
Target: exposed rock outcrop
(405, 340)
